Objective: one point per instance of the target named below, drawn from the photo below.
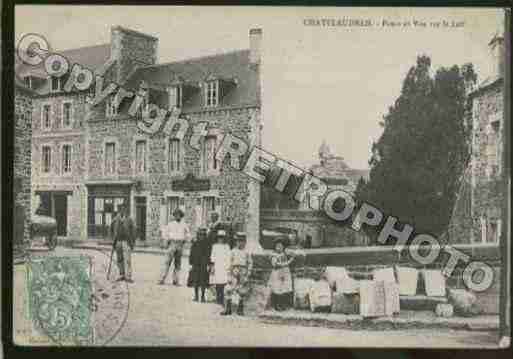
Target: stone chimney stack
(255, 42)
(498, 55)
(131, 49)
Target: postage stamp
(60, 291)
(71, 301)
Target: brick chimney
(498, 55)
(131, 49)
(255, 41)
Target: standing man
(174, 236)
(123, 232)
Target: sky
(331, 83)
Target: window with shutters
(46, 120)
(66, 159)
(208, 206)
(209, 162)
(174, 154)
(46, 160)
(140, 156)
(493, 234)
(66, 114)
(110, 158)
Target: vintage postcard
(261, 176)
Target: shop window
(66, 159)
(208, 205)
(46, 160)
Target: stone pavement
(167, 316)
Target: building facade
(487, 148)
(477, 215)
(85, 167)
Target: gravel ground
(167, 316)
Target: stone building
(335, 172)
(102, 158)
(487, 147)
(22, 166)
(58, 142)
(477, 213)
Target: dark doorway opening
(140, 217)
(61, 213)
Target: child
(220, 264)
(240, 269)
(280, 280)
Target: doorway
(140, 217)
(61, 213)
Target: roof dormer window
(56, 83)
(212, 93)
(111, 108)
(175, 96)
(28, 81)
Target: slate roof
(91, 57)
(486, 83)
(232, 66)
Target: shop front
(103, 204)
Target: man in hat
(241, 265)
(123, 233)
(174, 236)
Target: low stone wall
(361, 261)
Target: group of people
(218, 257)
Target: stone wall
(360, 263)
(486, 189)
(22, 165)
(323, 231)
(231, 185)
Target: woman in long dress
(199, 259)
(280, 280)
(220, 265)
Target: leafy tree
(417, 162)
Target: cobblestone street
(167, 316)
